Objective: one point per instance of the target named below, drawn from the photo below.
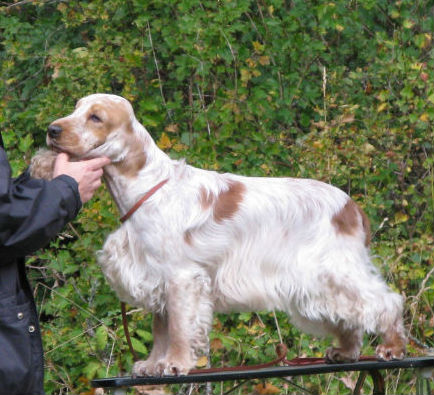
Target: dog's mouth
(76, 154)
(55, 147)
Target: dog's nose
(54, 131)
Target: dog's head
(99, 125)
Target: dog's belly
(237, 289)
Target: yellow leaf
(416, 66)
(81, 52)
(428, 39)
(381, 107)
(408, 24)
(61, 7)
(256, 73)
(265, 167)
(178, 147)
(424, 117)
(266, 389)
(339, 28)
(400, 218)
(255, 329)
(258, 47)
(368, 148)
(245, 75)
(347, 118)
(202, 362)
(171, 128)
(231, 106)
(395, 14)
(251, 63)
(319, 124)
(264, 60)
(164, 141)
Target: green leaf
(25, 143)
(139, 346)
(145, 335)
(90, 369)
(101, 336)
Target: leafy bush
(338, 91)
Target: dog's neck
(140, 166)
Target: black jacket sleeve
(32, 211)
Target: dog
(206, 242)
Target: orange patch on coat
(366, 226)
(347, 221)
(116, 116)
(113, 116)
(228, 202)
(68, 141)
(206, 198)
(134, 161)
(68, 137)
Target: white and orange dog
(209, 242)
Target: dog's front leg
(159, 348)
(181, 307)
(181, 331)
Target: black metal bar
(378, 380)
(278, 371)
(359, 384)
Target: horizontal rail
(277, 371)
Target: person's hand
(87, 173)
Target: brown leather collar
(143, 199)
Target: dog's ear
(42, 164)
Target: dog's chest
(133, 273)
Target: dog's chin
(91, 153)
(53, 146)
(57, 148)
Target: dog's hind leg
(391, 328)
(393, 346)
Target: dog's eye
(95, 118)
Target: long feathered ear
(42, 164)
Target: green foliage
(341, 91)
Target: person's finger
(97, 163)
(94, 175)
(62, 158)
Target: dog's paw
(387, 352)
(160, 368)
(42, 164)
(173, 367)
(145, 368)
(338, 355)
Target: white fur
(278, 250)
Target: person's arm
(33, 211)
